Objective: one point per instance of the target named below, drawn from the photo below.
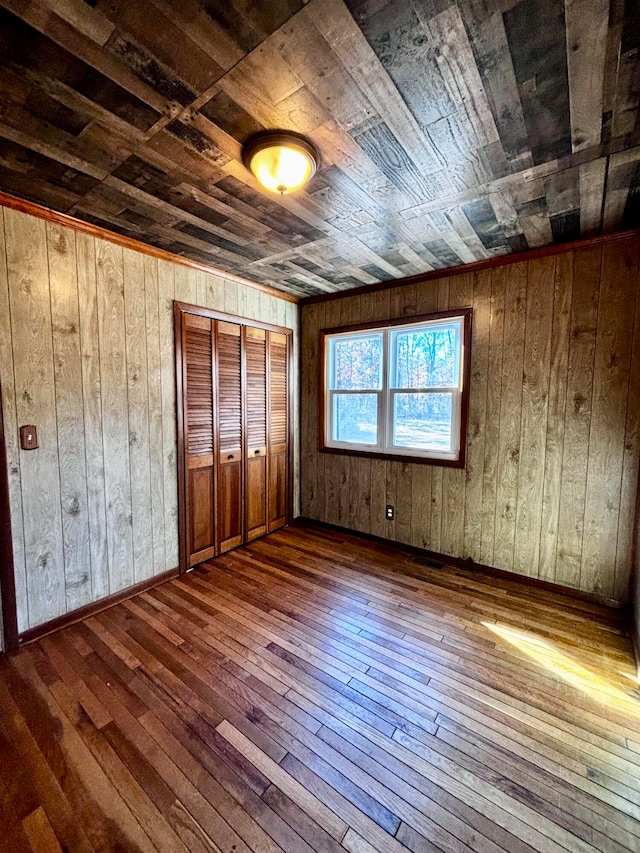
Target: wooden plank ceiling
(449, 131)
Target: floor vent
(427, 561)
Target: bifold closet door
(198, 391)
(255, 422)
(228, 414)
(235, 422)
(278, 431)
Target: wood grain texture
(547, 491)
(138, 405)
(92, 414)
(10, 430)
(33, 366)
(65, 325)
(612, 363)
(88, 335)
(448, 132)
(536, 378)
(315, 692)
(115, 428)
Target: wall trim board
(15, 203)
(7, 577)
(471, 565)
(95, 607)
(476, 266)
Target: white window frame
(387, 392)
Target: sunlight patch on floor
(566, 668)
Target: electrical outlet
(390, 514)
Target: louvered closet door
(229, 486)
(278, 433)
(255, 420)
(199, 438)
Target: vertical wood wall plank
(115, 427)
(477, 415)
(510, 416)
(618, 284)
(309, 418)
(390, 491)
(560, 337)
(214, 292)
(186, 284)
(138, 405)
(492, 414)
(312, 462)
(575, 454)
(281, 312)
(30, 308)
(9, 412)
(404, 490)
(331, 461)
(291, 320)
(454, 480)
(231, 298)
(65, 321)
(154, 388)
(252, 305)
(92, 410)
(421, 507)
(535, 401)
(166, 291)
(630, 459)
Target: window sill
(396, 457)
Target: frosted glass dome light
(281, 161)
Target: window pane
(423, 421)
(427, 358)
(357, 363)
(355, 418)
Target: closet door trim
(179, 309)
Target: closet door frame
(179, 309)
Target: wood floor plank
(312, 692)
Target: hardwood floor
(314, 692)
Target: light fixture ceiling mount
(281, 160)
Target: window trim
(368, 451)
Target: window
(398, 390)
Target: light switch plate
(28, 437)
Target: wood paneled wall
(635, 586)
(550, 484)
(86, 354)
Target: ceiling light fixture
(281, 160)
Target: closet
(234, 427)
